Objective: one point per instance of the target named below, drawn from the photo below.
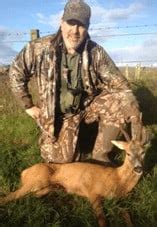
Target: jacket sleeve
(20, 73)
(112, 81)
(109, 76)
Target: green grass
(19, 149)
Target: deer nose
(138, 169)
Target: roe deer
(92, 181)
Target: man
(77, 81)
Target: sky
(126, 29)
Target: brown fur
(92, 181)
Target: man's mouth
(76, 38)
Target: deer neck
(128, 178)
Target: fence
(129, 72)
(137, 71)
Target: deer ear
(120, 144)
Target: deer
(92, 181)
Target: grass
(19, 149)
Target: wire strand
(91, 29)
(94, 36)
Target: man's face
(73, 33)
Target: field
(19, 149)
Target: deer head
(135, 149)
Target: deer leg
(24, 190)
(43, 191)
(126, 216)
(98, 209)
(21, 192)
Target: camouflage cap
(77, 10)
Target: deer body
(84, 179)
(92, 181)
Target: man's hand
(34, 112)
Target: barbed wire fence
(17, 37)
(91, 29)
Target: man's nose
(75, 28)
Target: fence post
(137, 71)
(127, 71)
(34, 33)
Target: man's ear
(120, 144)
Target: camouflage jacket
(41, 57)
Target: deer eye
(143, 152)
(128, 154)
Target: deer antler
(145, 136)
(136, 125)
(126, 135)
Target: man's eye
(71, 23)
(74, 22)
